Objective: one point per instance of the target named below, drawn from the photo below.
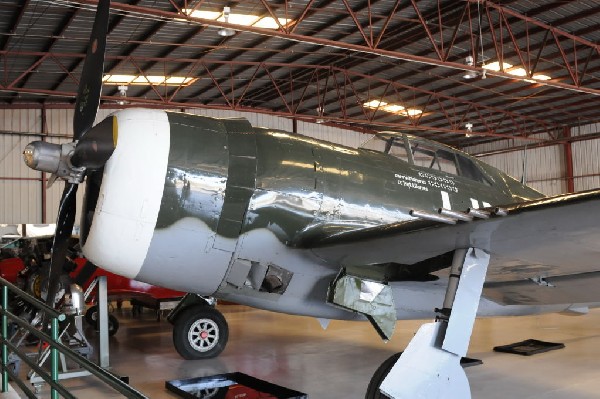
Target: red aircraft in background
(20, 260)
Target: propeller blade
(90, 84)
(96, 145)
(64, 229)
(51, 180)
(93, 152)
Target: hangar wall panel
(493, 146)
(258, 120)
(545, 168)
(586, 164)
(333, 134)
(20, 193)
(20, 202)
(585, 129)
(21, 120)
(60, 121)
(503, 144)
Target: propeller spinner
(89, 151)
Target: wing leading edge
(543, 251)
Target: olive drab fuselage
(236, 178)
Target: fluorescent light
(414, 112)
(118, 79)
(515, 71)
(518, 72)
(495, 66)
(373, 104)
(523, 73)
(201, 13)
(153, 80)
(392, 108)
(541, 77)
(270, 23)
(148, 80)
(240, 19)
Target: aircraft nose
(129, 193)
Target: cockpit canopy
(426, 154)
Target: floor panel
(297, 353)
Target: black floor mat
(529, 347)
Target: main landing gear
(199, 330)
(430, 367)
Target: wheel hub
(203, 335)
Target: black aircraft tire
(378, 377)
(113, 325)
(200, 332)
(91, 315)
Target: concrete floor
(297, 353)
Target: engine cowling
(130, 193)
(152, 213)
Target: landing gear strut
(430, 366)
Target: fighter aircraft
(283, 222)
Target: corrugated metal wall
(20, 200)
(586, 159)
(585, 129)
(255, 119)
(545, 168)
(336, 135)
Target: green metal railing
(56, 348)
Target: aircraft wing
(544, 251)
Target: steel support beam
(447, 112)
(393, 54)
(569, 162)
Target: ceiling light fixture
(152, 80)
(469, 127)
(320, 111)
(468, 73)
(226, 32)
(123, 93)
(392, 108)
(515, 71)
(237, 19)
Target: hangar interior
(515, 83)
